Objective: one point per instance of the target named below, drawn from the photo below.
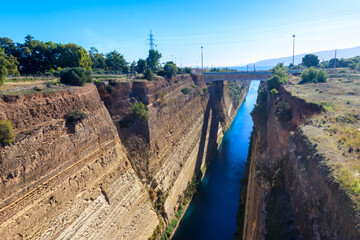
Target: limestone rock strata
(318, 208)
(99, 178)
(59, 181)
(182, 130)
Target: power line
(151, 41)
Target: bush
(274, 91)
(352, 66)
(76, 76)
(284, 112)
(185, 90)
(278, 77)
(313, 75)
(161, 73)
(170, 69)
(6, 132)
(188, 70)
(139, 112)
(112, 82)
(109, 88)
(205, 90)
(149, 75)
(74, 116)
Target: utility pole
(293, 51)
(172, 58)
(175, 60)
(202, 60)
(247, 68)
(151, 40)
(335, 61)
(181, 62)
(254, 68)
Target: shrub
(188, 70)
(74, 116)
(161, 73)
(283, 111)
(139, 112)
(76, 76)
(313, 75)
(185, 90)
(6, 132)
(274, 91)
(352, 66)
(149, 75)
(109, 88)
(205, 90)
(170, 69)
(112, 82)
(278, 77)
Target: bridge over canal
(233, 76)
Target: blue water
(212, 212)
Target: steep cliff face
(301, 200)
(180, 134)
(100, 178)
(59, 181)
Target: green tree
(153, 60)
(6, 132)
(72, 55)
(75, 76)
(141, 66)
(133, 67)
(10, 48)
(149, 75)
(8, 66)
(170, 69)
(97, 59)
(139, 111)
(278, 77)
(310, 60)
(116, 61)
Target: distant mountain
(323, 55)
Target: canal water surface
(212, 212)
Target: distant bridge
(233, 76)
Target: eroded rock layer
(59, 180)
(299, 199)
(99, 178)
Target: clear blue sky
(232, 31)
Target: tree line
(311, 60)
(38, 57)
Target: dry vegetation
(31, 85)
(336, 132)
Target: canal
(212, 212)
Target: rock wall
(304, 203)
(181, 133)
(60, 182)
(99, 178)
